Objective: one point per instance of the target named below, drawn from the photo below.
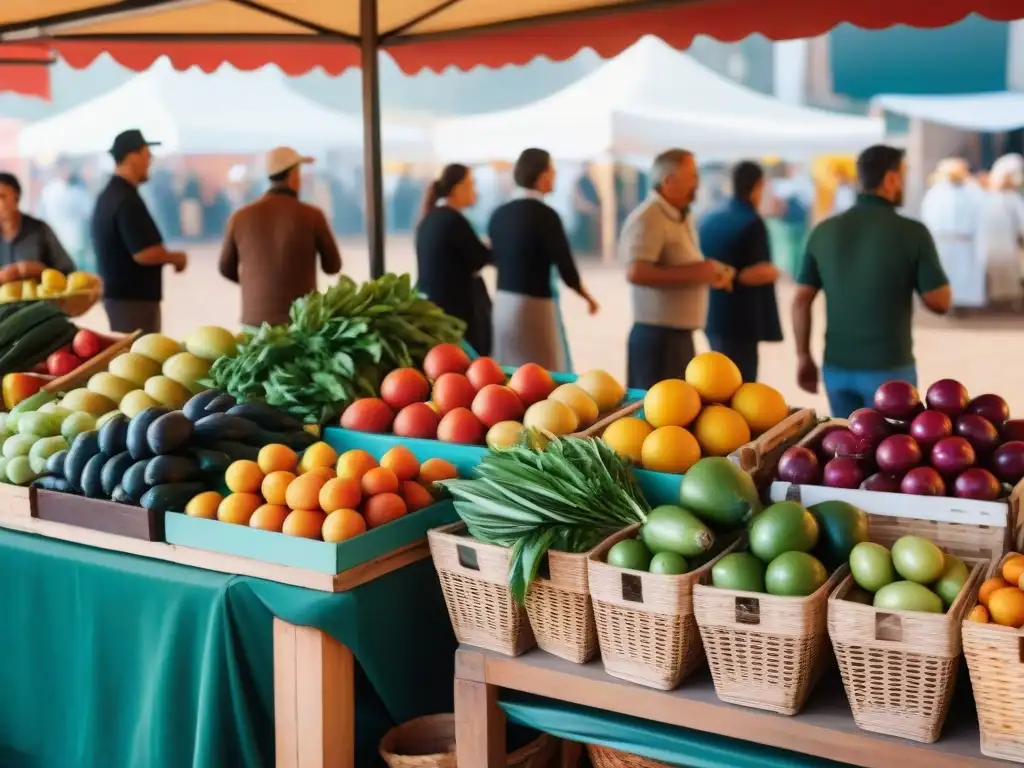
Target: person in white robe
(1001, 235)
(951, 210)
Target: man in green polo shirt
(869, 261)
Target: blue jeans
(850, 390)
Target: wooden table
(824, 729)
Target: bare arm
(646, 273)
(228, 264)
(143, 239)
(158, 255)
(803, 300)
(764, 273)
(327, 246)
(939, 300)
(642, 241)
(759, 270)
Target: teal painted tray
(306, 554)
(464, 457)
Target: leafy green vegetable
(336, 347)
(566, 495)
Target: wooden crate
(97, 514)
(760, 456)
(81, 375)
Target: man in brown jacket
(271, 245)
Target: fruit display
(710, 413)
(50, 283)
(30, 333)
(321, 495)
(947, 444)
(337, 346)
(156, 372)
(159, 459)
(913, 575)
(1001, 596)
(458, 400)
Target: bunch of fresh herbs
(561, 493)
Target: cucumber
(170, 469)
(91, 482)
(171, 497)
(266, 417)
(114, 470)
(114, 435)
(195, 408)
(86, 446)
(169, 433)
(674, 529)
(220, 426)
(136, 441)
(220, 404)
(55, 464)
(211, 462)
(134, 480)
(52, 483)
(34, 403)
(235, 450)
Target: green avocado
(719, 493)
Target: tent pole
(373, 173)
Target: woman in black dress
(449, 255)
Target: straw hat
(952, 169)
(1007, 172)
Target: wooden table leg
(479, 725)
(314, 699)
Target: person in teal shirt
(869, 261)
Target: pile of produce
(915, 575)
(948, 445)
(792, 549)
(711, 413)
(322, 496)
(157, 372)
(159, 459)
(50, 283)
(30, 333)
(337, 347)
(565, 493)
(1001, 597)
(456, 400)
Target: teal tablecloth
(114, 661)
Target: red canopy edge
(25, 70)
(518, 43)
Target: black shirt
(448, 255)
(121, 228)
(35, 241)
(527, 239)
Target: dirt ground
(980, 352)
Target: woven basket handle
(467, 557)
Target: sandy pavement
(982, 353)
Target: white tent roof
(225, 112)
(988, 112)
(649, 98)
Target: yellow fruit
(156, 347)
(238, 508)
(11, 291)
(342, 524)
(186, 369)
(135, 402)
(110, 386)
(720, 430)
(269, 517)
(551, 416)
(979, 613)
(275, 486)
(671, 403)
(28, 289)
(210, 342)
(582, 404)
(761, 406)
(504, 434)
(714, 376)
(1006, 607)
(244, 476)
(669, 449)
(84, 400)
(355, 463)
(602, 388)
(204, 505)
(318, 455)
(82, 281)
(277, 458)
(626, 437)
(1013, 569)
(990, 586)
(166, 391)
(53, 280)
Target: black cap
(129, 141)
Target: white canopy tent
(647, 99)
(228, 112)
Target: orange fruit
(306, 523)
(761, 406)
(204, 505)
(415, 496)
(277, 458)
(379, 480)
(990, 586)
(402, 462)
(327, 473)
(669, 449)
(304, 491)
(626, 437)
(244, 476)
(1013, 569)
(340, 493)
(317, 455)
(1006, 607)
(342, 524)
(275, 485)
(238, 508)
(714, 376)
(979, 613)
(671, 403)
(355, 464)
(720, 430)
(269, 517)
(383, 508)
(433, 470)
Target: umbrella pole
(373, 173)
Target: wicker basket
(761, 455)
(560, 610)
(994, 659)
(898, 667)
(645, 623)
(474, 579)
(764, 651)
(429, 742)
(606, 757)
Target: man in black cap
(129, 248)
